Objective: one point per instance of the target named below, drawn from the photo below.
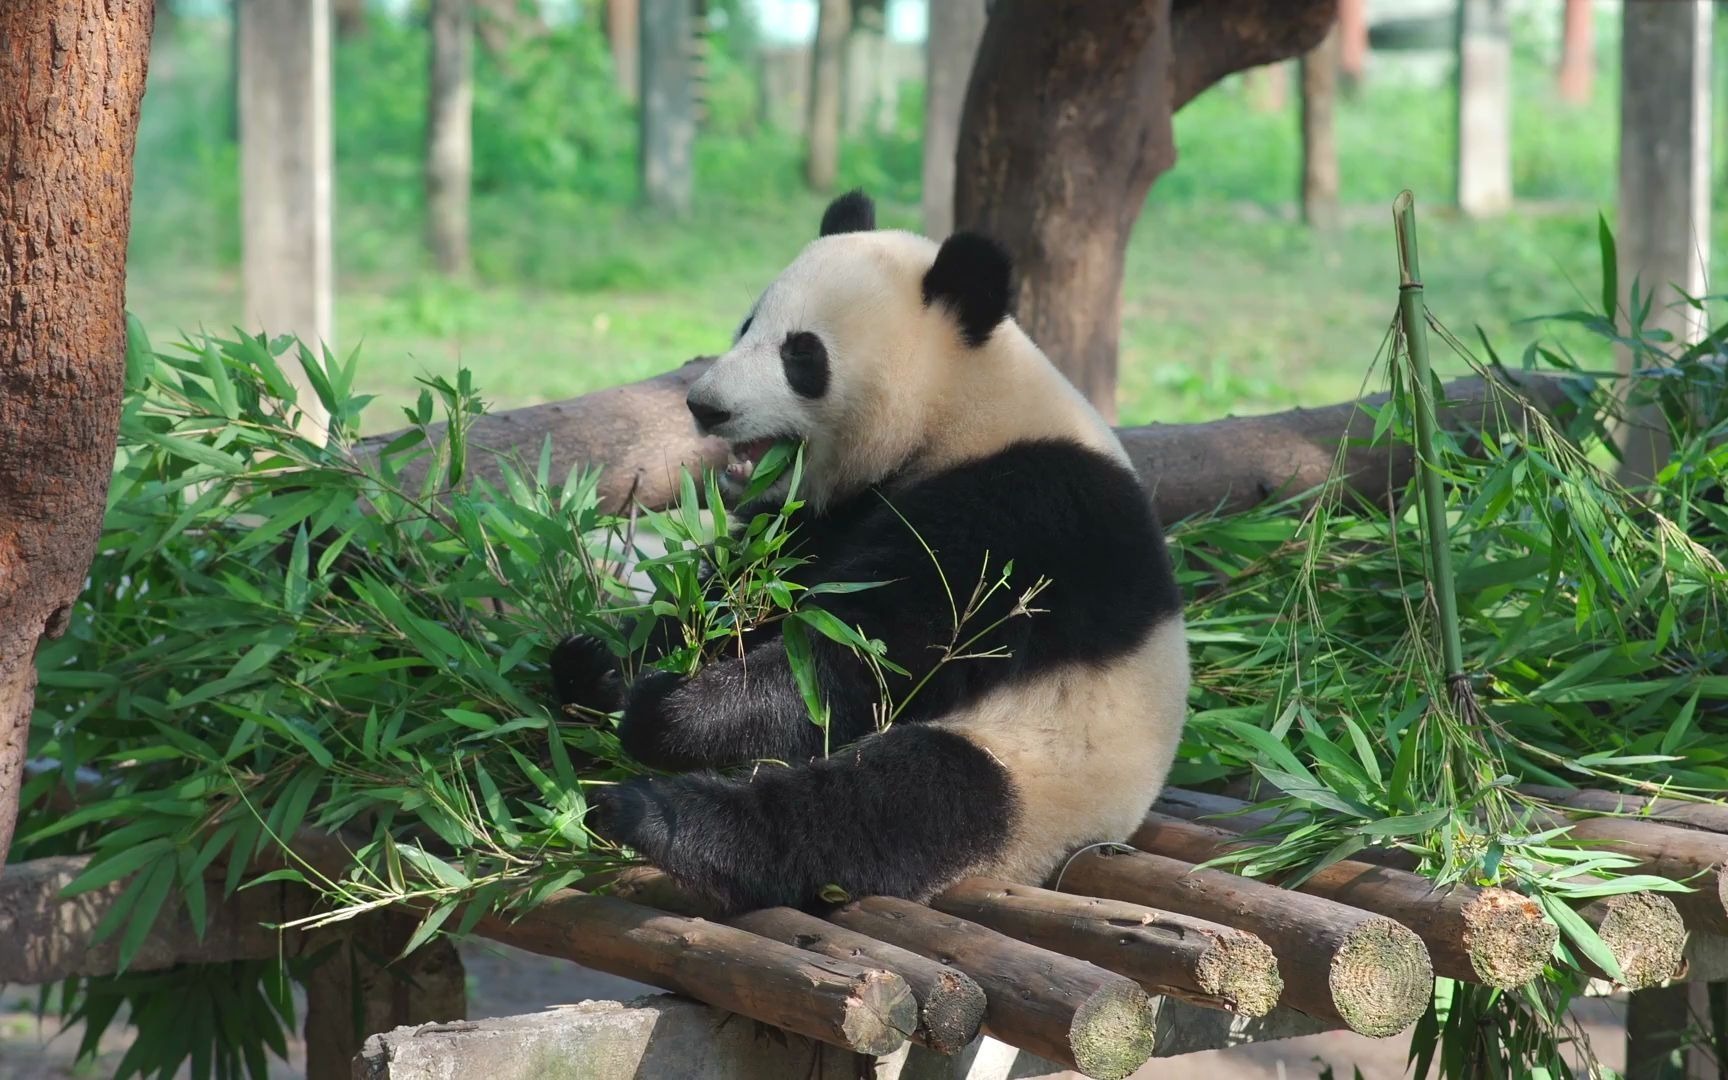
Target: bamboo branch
(1168, 954)
(1490, 936)
(1339, 963)
(1062, 1009)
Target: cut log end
(1507, 937)
(880, 1014)
(1381, 978)
(1645, 933)
(952, 1013)
(1241, 970)
(1112, 1032)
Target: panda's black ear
(973, 276)
(851, 212)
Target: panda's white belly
(1087, 750)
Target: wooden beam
(1491, 936)
(950, 1004)
(1686, 813)
(1066, 1010)
(1166, 953)
(1339, 963)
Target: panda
(940, 444)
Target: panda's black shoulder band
(851, 212)
(973, 276)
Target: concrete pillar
(285, 175)
(1664, 205)
(1484, 89)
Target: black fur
(974, 277)
(851, 212)
(805, 359)
(895, 814)
(1055, 509)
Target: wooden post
(827, 68)
(954, 29)
(1659, 1026)
(449, 134)
(1319, 71)
(285, 176)
(1484, 99)
(1577, 52)
(668, 110)
(364, 986)
(1664, 226)
(1352, 43)
(622, 26)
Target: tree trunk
(950, 45)
(668, 110)
(449, 134)
(1057, 167)
(827, 71)
(1352, 43)
(1664, 217)
(71, 77)
(350, 17)
(1484, 89)
(621, 35)
(1319, 140)
(1577, 53)
(1267, 88)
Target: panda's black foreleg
(744, 709)
(902, 813)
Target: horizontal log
(1642, 929)
(1062, 1009)
(858, 1007)
(1166, 953)
(1491, 936)
(641, 434)
(1691, 857)
(45, 937)
(1709, 816)
(1339, 963)
(950, 1004)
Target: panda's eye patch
(805, 359)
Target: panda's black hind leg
(903, 813)
(585, 677)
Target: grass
(575, 290)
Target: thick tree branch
(1215, 38)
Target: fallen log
(1642, 929)
(857, 1007)
(1692, 857)
(1339, 963)
(641, 434)
(1063, 1009)
(1491, 936)
(1166, 953)
(1708, 816)
(950, 1004)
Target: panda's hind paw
(585, 675)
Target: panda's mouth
(745, 457)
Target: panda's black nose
(707, 416)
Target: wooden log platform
(1340, 963)
(1709, 816)
(1491, 936)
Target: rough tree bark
(950, 45)
(1577, 53)
(1057, 167)
(449, 134)
(1319, 69)
(827, 70)
(71, 77)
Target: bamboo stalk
(1166, 953)
(950, 1004)
(1339, 963)
(1063, 1009)
(861, 1008)
(1491, 936)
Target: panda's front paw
(585, 676)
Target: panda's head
(860, 349)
